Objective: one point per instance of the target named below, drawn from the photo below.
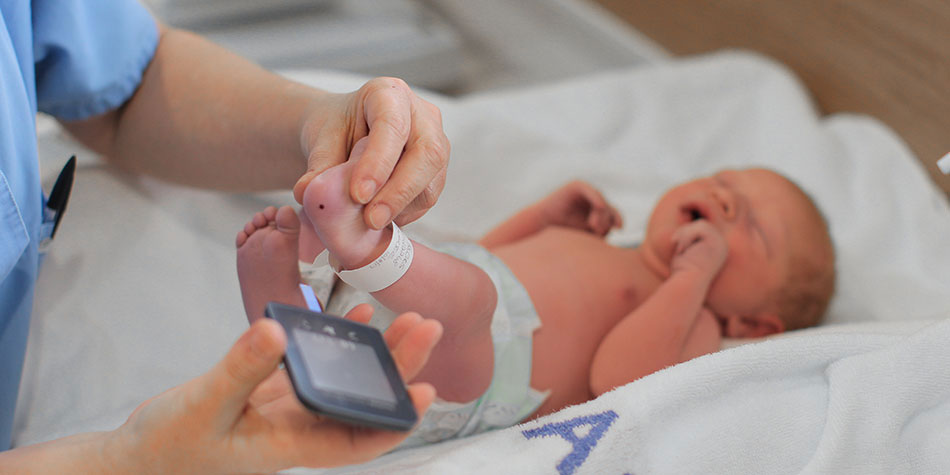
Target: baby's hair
(810, 282)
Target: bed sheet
(139, 292)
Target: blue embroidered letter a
(582, 446)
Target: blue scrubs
(72, 59)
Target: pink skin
(461, 365)
(267, 260)
(340, 226)
(270, 244)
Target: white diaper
(509, 398)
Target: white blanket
(139, 292)
(862, 401)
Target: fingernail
(379, 216)
(301, 185)
(365, 191)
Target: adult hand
(403, 170)
(243, 416)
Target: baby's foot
(338, 220)
(310, 244)
(267, 261)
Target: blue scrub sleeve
(89, 54)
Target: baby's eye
(695, 215)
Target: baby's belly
(580, 289)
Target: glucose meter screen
(345, 367)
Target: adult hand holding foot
(167, 103)
(406, 152)
(240, 417)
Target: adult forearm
(94, 452)
(203, 116)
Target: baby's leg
(267, 261)
(438, 286)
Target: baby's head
(780, 271)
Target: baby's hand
(581, 206)
(700, 247)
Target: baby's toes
(286, 220)
(241, 238)
(250, 227)
(259, 220)
(270, 213)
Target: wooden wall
(886, 58)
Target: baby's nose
(727, 202)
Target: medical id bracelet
(382, 272)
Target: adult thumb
(329, 150)
(250, 361)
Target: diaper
(509, 398)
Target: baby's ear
(755, 326)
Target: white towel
(866, 401)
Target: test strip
(944, 164)
(310, 298)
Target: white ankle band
(382, 272)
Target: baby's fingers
(601, 217)
(689, 234)
(616, 219)
(599, 221)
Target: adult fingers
(387, 108)
(410, 338)
(370, 443)
(253, 358)
(328, 143)
(276, 386)
(399, 327)
(414, 179)
(381, 441)
(424, 201)
(361, 313)
(412, 351)
(422, 395)
(367, 444)
(335, 443)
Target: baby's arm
(576, 205)
(704, 338)
(672, 325)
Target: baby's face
(764, 219)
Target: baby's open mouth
(692, 213)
